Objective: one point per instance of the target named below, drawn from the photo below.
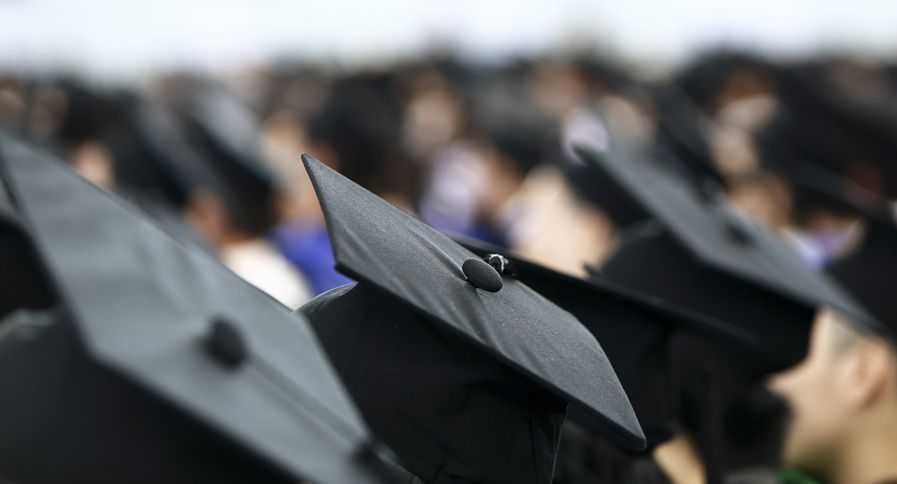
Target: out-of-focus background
(462, 112)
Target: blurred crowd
(478, 150)
(484, 151)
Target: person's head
(844, 390)
(358, 132)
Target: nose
(779, 383)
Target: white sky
(125, 38)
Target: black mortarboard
(633, 329)
(720, 245)
(591, 186)
(713, 375)
(698, 253)
(88, 113)
(158, 364)
(649, 259)
(869, 273)
(681, 134)
(154, 158)
(465, 375)
(849, 133)
(816, 161)
(226, 133)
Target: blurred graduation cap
(681, 132)
(712, 374)
(157, 364)
(698, 253)
(715, 248)
(155, 159)
(847, 133)
(226, 133)
(590, 185)
(88, 111)
(465, 375)
(633, 328)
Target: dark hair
(361, 123)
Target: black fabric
(142, 305)
(584, 459)
(737, 424)
(714, 376)
(224, 132)
(449, 410)
(718, 238)
(72, 420)
(154, 158)
(25, 285)
(681, 125)
(837, 129)
(379, 245)
(590, 186)
(816, 170)
(869, 273)
(650, 260)
(633, 329)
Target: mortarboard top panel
(231, 126)
(537, 276)
(719, 237)
(226, 133)
(179, 163)
(144, 305)
(378, 244)
(633, 328)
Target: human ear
(869, 368)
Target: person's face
(815, 391)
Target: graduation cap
(157, 364)
(226, 133)
(714, 376)
(698, 253)
(681, 131)
(716, 248)
(634, 330)
(591, 186)
(155, 159)
(815, 164)
(465, 375)
(850, 134)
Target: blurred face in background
(433, 114)
(559, 230)
(94, 161)
(284, 139)
(815, 391)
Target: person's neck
(680, 460)
(235, 237)
(871, 458)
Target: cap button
(482, 275)
(226, 344)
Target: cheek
(816, 409)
